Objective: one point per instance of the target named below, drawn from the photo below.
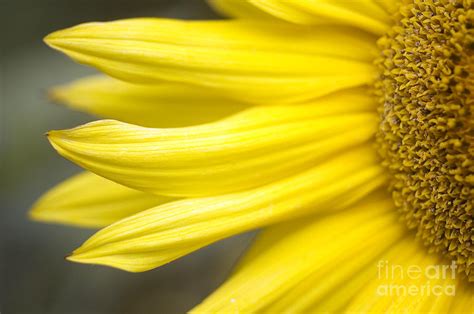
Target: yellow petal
(239, 9)
(162, 105)
(364, 14)
(255, 147)
(410, 281)
(244, 60)
(337, 300)
(293, 265)
(464, 302)
(87, 200)
(391, 6)
(159, 235)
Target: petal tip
(36, 214)
(49, 136)
(55, 138)
(77, 256)
(55, 95)
(52, 39)
(71, 258)
(41, 212)
(53, 135)
(60, 39)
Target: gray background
(34, 276)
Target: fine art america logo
(415, 280)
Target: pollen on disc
(426, 134)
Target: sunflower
(343, 129)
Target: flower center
(426, 133)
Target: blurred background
(34, 276)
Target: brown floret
(426, 134)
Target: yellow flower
(332, 125)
